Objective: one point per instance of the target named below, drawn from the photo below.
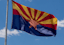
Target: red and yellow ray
(41, 17)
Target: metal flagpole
(6, 23)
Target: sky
(16, 37)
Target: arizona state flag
(33, 21)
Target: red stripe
(15, 12)
(19, 5)
(29, 11)
(48, 17)
(50, 26)
(40, 14)
(35, 13)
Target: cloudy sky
(15, 37)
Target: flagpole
(6, 22)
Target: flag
(33, 21)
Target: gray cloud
(30, 0)
(24, 0)
(60, 23)
(9, 33)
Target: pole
(6, 23)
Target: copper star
(33, 23)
